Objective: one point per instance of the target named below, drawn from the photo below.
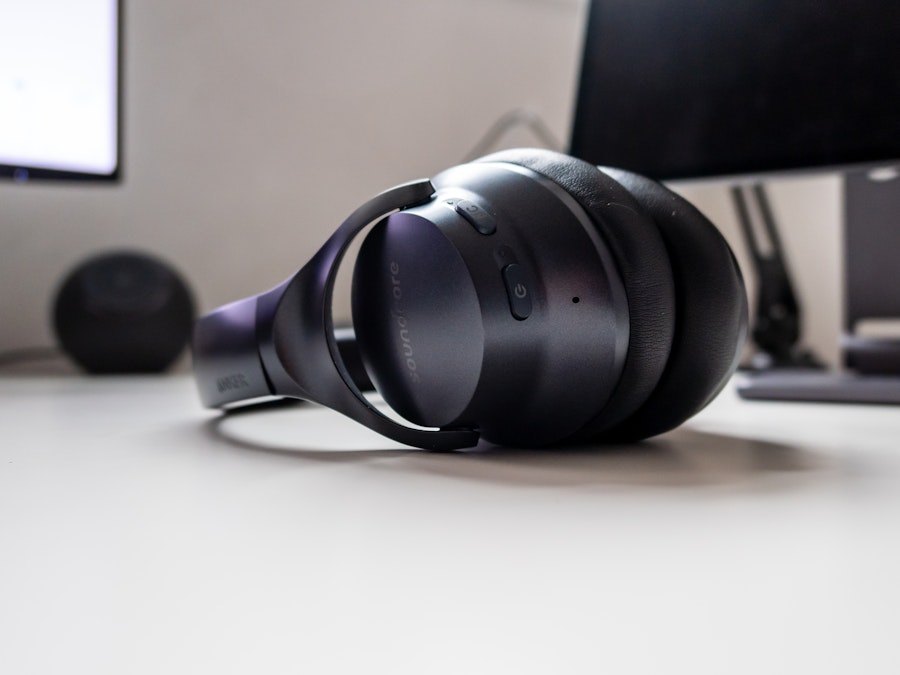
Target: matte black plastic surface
(226, 357)
(295, 341)
(525, 382)
(417, 317)
(556, 317)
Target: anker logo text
(231, 382)
(399, 317)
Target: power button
(518, 291)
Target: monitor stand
(872, 296)
(775, 329)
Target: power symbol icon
(517, 291)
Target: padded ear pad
(710, 317)
(644, 267)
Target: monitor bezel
(737, 173)
(21, 173)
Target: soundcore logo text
(402, 324)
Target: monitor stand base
(872, 256)
(819, 386)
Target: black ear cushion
(643, 263)
(711, 311)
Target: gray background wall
(252, 129)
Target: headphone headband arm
(282, 342)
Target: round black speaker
(123, 312)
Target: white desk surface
(138, 534)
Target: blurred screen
(59, 88)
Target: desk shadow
(681, 458)
(217, 429)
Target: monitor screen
(697, 88)
(60, 89)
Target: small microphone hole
(576, 299)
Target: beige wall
(253, 128)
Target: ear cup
(516, 324)
(644, 267)
(639, 306)
(710, 316)
(418, 320)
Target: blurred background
(252, 129)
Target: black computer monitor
(748, 89)
(60, 90)
(698, 88)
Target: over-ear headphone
(528, 298)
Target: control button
(480, 219)
(518, 291)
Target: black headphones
(528, 298)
